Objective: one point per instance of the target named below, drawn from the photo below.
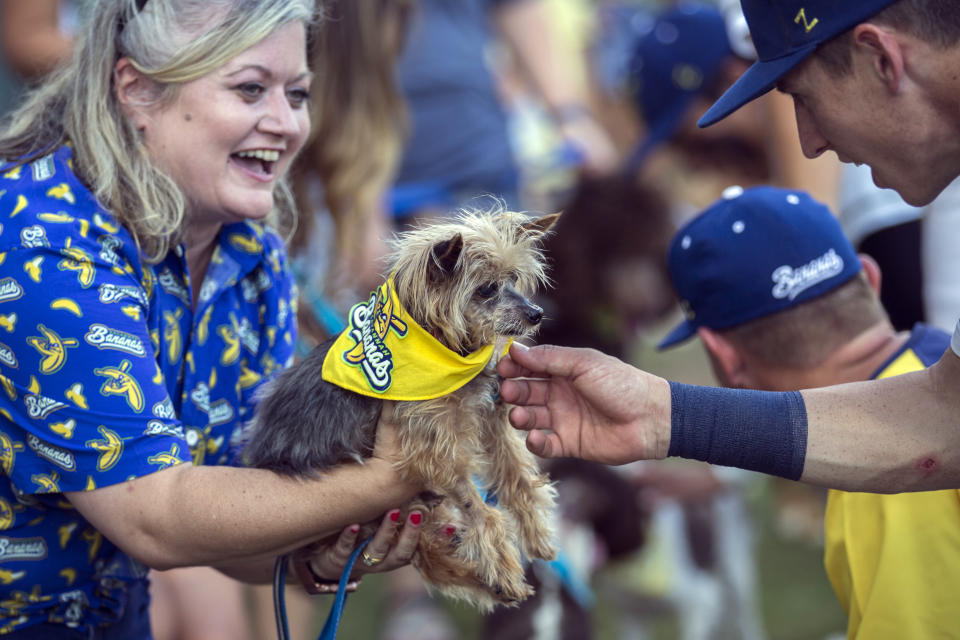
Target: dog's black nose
(534, 314)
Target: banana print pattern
(107, 373)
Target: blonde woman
(144, 296)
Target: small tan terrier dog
(429, 338)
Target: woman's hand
(391, 547)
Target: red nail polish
(415, 518)
(354, 528)
(450, 530)
(395, 516)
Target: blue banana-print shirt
(107, 373)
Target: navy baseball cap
(784, 33)
(753, 253)
(677, 58)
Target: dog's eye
(488, 290)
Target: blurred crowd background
(586, 107)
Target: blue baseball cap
(784, 33)
(753, 253)
(680, 56)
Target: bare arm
(887, 436)
(558, 74)
(31, 39)
(892, 435)
(186, 515)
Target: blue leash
(340, 600)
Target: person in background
(780, 316)
(459, 146)
(35, 37)
(133, 343)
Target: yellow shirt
(894, 560)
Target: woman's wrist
(313, 583)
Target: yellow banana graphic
(3, 256)
(120, 383)
(214, 444)
(84, 227)
(93, 538)
(68, 305)
(78, 260)
(212, 382)
(64, 532)
(64, 429)
(248, 377)
(13, 174)
(231, 350)
(105, 224)
(189, 360)
(131, 311)
(11, 393)
(60, 216)
(52, 347)
(34, 386)
(6, 515)
(171, 334)
(166, 458)
(9, 322)
(271, 335)
(7, 577)
(69, 575)
(75, 395)
(246, 243)
(157, 377)
(62, 192)
(155, 338)
(47, 483)
(21, 205)
(110, 448)
(91, 485)
(32, 267)
(203, 327)
(8, 451)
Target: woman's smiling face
(228, 137)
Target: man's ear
(872, 272)
(883, 50)
(134, 92)
(729, 365)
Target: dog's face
(468, 280)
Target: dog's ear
(539, 226)
(444, 256)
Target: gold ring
(369, 560)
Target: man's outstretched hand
(580, 403)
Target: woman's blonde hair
(171, 42)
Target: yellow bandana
(384, 353)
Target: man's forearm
(887, 436)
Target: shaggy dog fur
(467, 281)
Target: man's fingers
(544, 360)
(544, 444)
(525, 391)
(527, 418)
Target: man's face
(898, 134)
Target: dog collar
(385, 354)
